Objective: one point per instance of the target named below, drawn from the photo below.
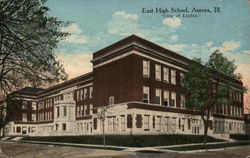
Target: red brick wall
(118, 79)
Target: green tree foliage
(196, 85)
(221, 64)
(202, 93)
(28, 37)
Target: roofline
(47, 89)
(60, 84)
(135, 38)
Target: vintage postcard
(115, 78)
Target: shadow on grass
(208, 146)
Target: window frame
(147, 92)
(146, 67)
(158, 72)
(166, 74)
(173, 76)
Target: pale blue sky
(99, 23)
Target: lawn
(127, 140)
(208, 146)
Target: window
(167, 125)
(111, 100)
(179, 123)
(77, 95)
(182, 101)
(157, 96)
(33, 105)
(64, 127)
(123, 122)
(189, 124)
(166, 98)
(81, 110)
(85, 107)
(24, 104)
(235, 111)
(78, 111)
(173, 99)
(24, 117)
(91, 92)
(231, 110)
(81, 94)
(182, 76)
(240, 97)
(158, 123)
(145, 98)
(90, 107)
(33, 117)
(50, 115)
(157, 72)
(173, 76)
(173, 125)
(58, 111)
(166, 74)
(146, 122)
(85, 93)
(110, 124)
(183, 124)
(146, 68)
(64, 111)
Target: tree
(201, 94)
(102, 116)
(196, 86)
(28, 37)
(220, 63)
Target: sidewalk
(123, 148)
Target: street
(20, 150)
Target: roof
(137, 39)
(31, 89)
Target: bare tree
(28, 37)
(102, 114)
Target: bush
(127, 140)
(240, 136)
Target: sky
(192, 28)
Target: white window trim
(148, 68)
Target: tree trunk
(103, 134)
(205, 132)
(205, 119)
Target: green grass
(78, 146)
(208, 146)
(240, 136)
(127, 140)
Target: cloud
(172, 22)
(174, 38)
(228, 46)
(125, 24)
(247, 51)
(125, 15)
(76, 35)
(72, 28)
(191, 50)
(75, 64)
(209, 44)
